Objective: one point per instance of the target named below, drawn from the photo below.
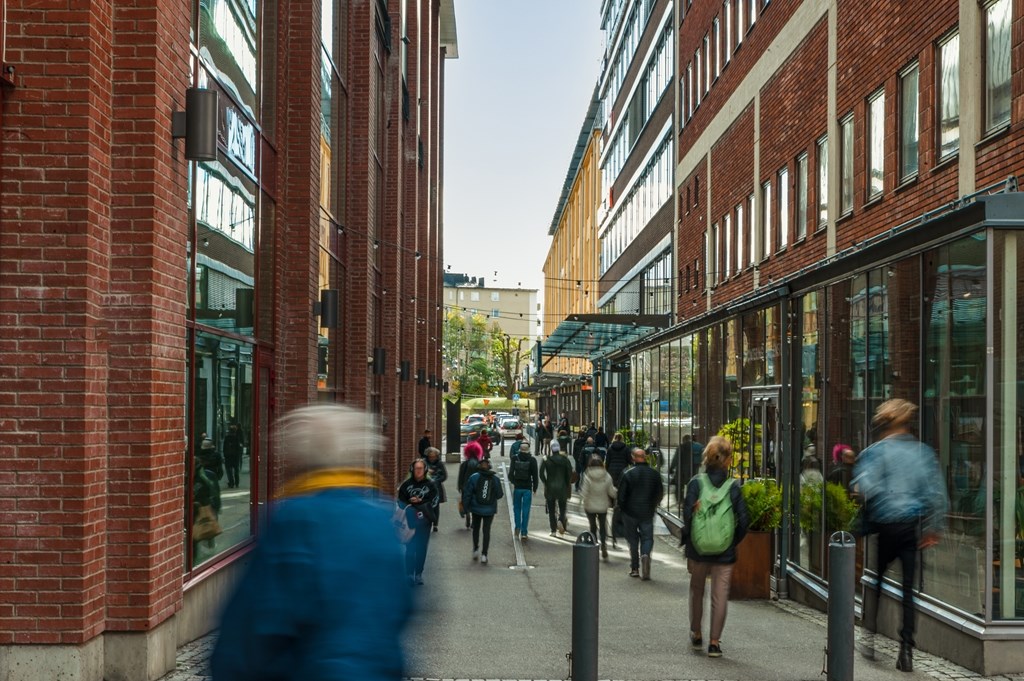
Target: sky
(515, 101)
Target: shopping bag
(400, 519)
(205, 525)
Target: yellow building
(571, 274)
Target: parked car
(510, 428)
(473, 418)
(466, 428)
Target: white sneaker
(483, 559)
(476, 554)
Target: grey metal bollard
(842, 550)
(585, 583)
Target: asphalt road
(501, 621)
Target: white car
(510, 428)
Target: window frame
(766, 222)
(872, 122)
(727, 230)
(940, 92)
(990, 125)
(740, 237)
(800, 214)
(821, 175)
(846, 169)
(905, 143)
(782, 203)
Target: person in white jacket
(599, 495)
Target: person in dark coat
(639, 492)
(601, 438)
(685, 464)
(466, 469)
(233, 448)
(419, 497)
(437, 473)
(617, 460)
(717, 457)
(424, 444)
(324, 594)
(483, 514)
(556, 474)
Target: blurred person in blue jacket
(324, 596)
(905, 502)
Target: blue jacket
(899, 479)
(469, 492)
(324, 597)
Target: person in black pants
(233, 448)
(418, 496)
(480, 496)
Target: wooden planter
(751, 574)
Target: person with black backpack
(480, 497)
(715, 520)
(524, 479)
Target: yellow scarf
(330, 478)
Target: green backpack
(714, 523)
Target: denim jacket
(900, 481)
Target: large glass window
(876, 144)
(783, 231)
(740, 239)
(908, 123)
(949, 95)
(1008, 449)
(727, 228)
(765, 245)
(846, 165)
(727, 13)
(953, 413)
(998, 16)
(222, 410)
(227, 44)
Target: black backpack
(521, 470)
(484, 494)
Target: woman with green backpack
(715, 521)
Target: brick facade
(94, 255)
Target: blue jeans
(416, 549)
(521, 500)
(640, 535)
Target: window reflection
(225, 226)
(227, 41)
(221, 405)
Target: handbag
(205, 525)
(400, 519)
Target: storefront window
(772, 346)
(953, 414)
(753, 349)
(1008, 450)
(811, 312)
(733, 358)
(222, 410)
(227, 43)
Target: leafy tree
(465, 354)
(507, 358)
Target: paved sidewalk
(527, 632)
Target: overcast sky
(515, 101)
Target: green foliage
(737, 432)
(764, 504)
(840, 508)
(465, 353)
(507, 358)
(633, 438)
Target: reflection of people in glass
(324, 594)
(843, 458)
(810, 464)
(233, 449)
(906, 497)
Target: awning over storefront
(593, 336)
(545, 382)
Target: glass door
(760, 458)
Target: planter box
(751, 574)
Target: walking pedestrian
(473, 449)
(905, 501)
(419, 497)
(556, 474)
(547, 434)
(588, 451)
(618, 458)
(424, 444)
(484, 440)
(466, 469)
(480, 496)
(524, 477)
(280, 622)
(438, 474)
(639, 493)
(715, 520)
(233, 448)
(598, 494)
(565, 442)
(601, 439)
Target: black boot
(905, 662)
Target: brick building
(848, 226)
(154, 309)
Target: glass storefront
(923, 328)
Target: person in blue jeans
(640, 492)
(419, 497)
(524, 478)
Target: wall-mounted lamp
(379, 359)
(404, 369)
(327, 308)
(198, 124)
(433, 382)
(421, 376)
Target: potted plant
(751, 574)
(840, 510)
(737, 432)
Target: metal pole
(584, 608)
(841, 553)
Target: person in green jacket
(556, 474)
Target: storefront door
(762, 408)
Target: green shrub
(840, 508)
(764, 504)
